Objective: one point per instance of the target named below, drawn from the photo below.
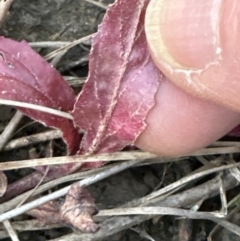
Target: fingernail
(184, 33)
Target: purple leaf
(119, 92)
(25, 76)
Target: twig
(10, 230)
(36, 107)
(4, 7)
(86, 182)
(9, 129)
(33, 139)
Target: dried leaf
(25, 76)
(3, 183)
(78, 209)
(48, 213)
(122, 81)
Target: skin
(195, 44)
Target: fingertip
(195, 44)
(180, 124)
(182, 34)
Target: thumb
(195, 45)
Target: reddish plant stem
(30, 181)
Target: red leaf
(25, 76)
(122, 81)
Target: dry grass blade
(36, 107)
(134, 155)
(209, 189)
(233, 203)
(69, 65)
(97, 4)
(33, 139)
(216, 151)
(187, 198)
(217, 229)
(235, 171)
(3, 234)
(31, 193)
(105, 157)
(10, 230)
(156, 211)
(67, 47)
(3, 183)
(186, 180)
(27, 225)
(226, 143)
(86, 182)
(142, 232)
(32, 224)
(9, 129)
(185, 227)
(223, 197)
(75, 81)
(171, 211)
(49, 44)
(73, 177)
